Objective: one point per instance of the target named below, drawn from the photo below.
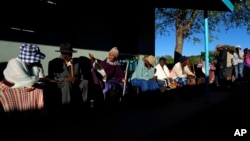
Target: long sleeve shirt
(18, 73)
(142, 72)
(178, 71)
(162, 73)
(238, 58)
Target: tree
(170, 59)
(188, 22)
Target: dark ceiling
(67, 11)
(66, 17)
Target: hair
(115, 51)
(183, 59)
(162, 59)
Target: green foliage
(170, 59)
(194, 59)
(229, 47)
(210, 54)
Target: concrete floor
(158, 120)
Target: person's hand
(154, 78)
(91, 56)
(30, 88)
(170, 79)
(53, 81)
(123, 80)
(71, 79)
(190, 76)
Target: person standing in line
(238, 63)
(221, 64)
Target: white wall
(10, 49)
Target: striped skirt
(18, 99)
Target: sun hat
(150, 59)
(66, 48)
(30, 53)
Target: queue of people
(25, 80)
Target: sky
(164, 45)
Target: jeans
(145, 85)
(238, 69)
(181, 81)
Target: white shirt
(18, 73)
(230, 60)
(177, 71)
(238, 58)
(162, 73)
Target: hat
(30, 53)
(183, 58)
(151, 60)
(66, 48)
(238, 46)
(219, 46)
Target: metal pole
(206, 38)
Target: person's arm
(17, 73)
(119, 73)
(52, 70)
(157, 71)
(178, 71)
(188, 71)
(167, 71)
(241, 54)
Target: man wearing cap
(143, 76)
(67, 71)
(20, 80)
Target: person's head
(30, 54)
(231, 51)
(237, 48)
(184, 60)
(149, 61)
(219, 47)
(245, 50)
(66, 51)
(113, 54)
(162, 61)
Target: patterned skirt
(18, 99)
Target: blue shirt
(142, 72)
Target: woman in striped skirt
(20, 88)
